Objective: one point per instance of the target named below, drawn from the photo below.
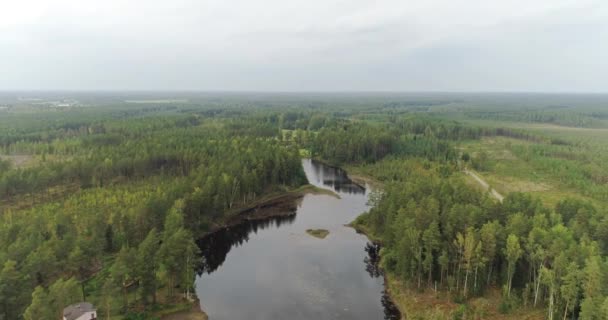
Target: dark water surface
(273, 269)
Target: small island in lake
(318, 233)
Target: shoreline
(355, 174)
(408, 301)
(359, 228)
(278, 204)
(283, 204)
(195, 312)
(385, 276)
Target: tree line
(439, 233)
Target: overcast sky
(305, 45)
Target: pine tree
(40, 308)
(10, 283)
(123, 269)
(147, 265)
(63, 293)
(431, 239)
(108, 296)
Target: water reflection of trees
(372, 261)
(334, 178)
(215, 247)
(390, 309)
(344, 186)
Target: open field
(513, 165)
(17, 160)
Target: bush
(504, 307)
(481, 308)
(508, 304)
(460, 312)
(459, 299)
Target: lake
(273, 269)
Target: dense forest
(442, 234)
(107, 207)
(104, 202)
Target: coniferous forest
(104, 201)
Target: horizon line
(212, 91)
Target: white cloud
(303, 44)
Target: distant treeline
(358, 141)
(564, 117)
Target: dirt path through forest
(485, 185)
